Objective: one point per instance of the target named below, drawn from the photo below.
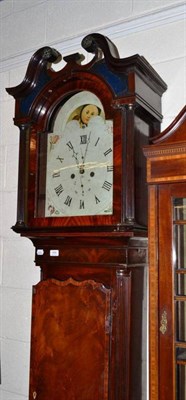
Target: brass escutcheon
(163, 323)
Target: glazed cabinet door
(172, 292)
(70, 340)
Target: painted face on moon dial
(79, 179)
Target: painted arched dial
(79, 176)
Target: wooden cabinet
(82, 201)
(166, 171)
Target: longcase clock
(82, 200)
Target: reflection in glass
(181, 382)
(181, 354)
(181, 320)
(179, 209)
(180, 285)
(180, 245)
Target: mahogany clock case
(129, 91)
(89, 309)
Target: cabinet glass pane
(180, 209)
(180, 289)
(181, 354)
(179, 215)
(181, 321)
(181, 382)
(180, 245)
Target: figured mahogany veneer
(73, 345)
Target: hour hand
(74, 154)
(86, 149)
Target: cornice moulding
(126, 27)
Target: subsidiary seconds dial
(79, 177)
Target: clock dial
(79, 177)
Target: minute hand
(95, 164)
(88, 165)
